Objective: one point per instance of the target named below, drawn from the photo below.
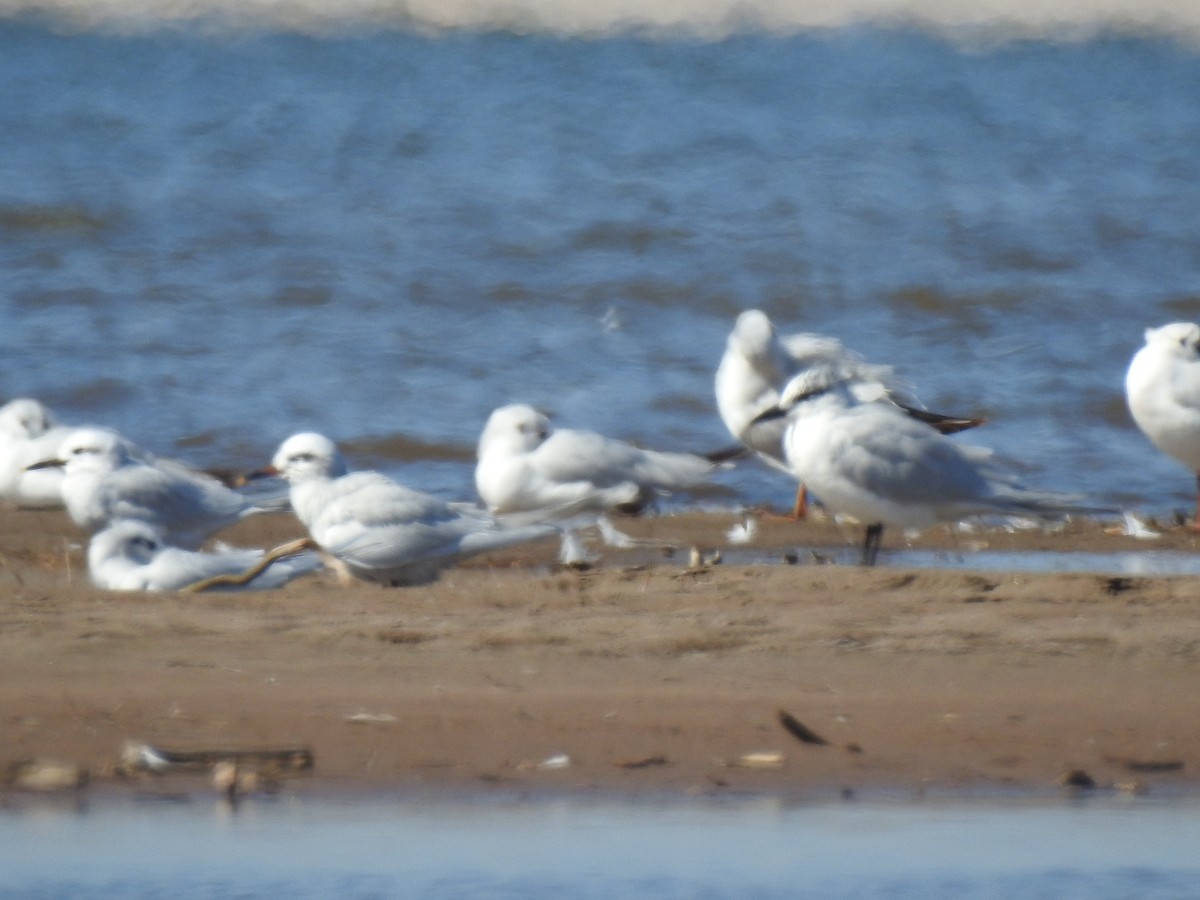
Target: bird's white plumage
(871, 461)
(1162, 387)
(380, 530)
(132, 556)
(28, 435)
(525, 465)
(107, 478)
(758, 362)
(573, 477)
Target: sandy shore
(640, 675)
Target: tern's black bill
(46, 464)
(768, 415)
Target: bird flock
(846, 430)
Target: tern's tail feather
(487, 541)
(1048, 504)
(266, 496)
(943, 423)
(727, 454)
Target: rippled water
(214, 235)
(572, 849)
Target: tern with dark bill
(382, 531)
(758, 362)
(870, 460)
(107, 478)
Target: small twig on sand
(799, 730)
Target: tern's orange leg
(800, 510)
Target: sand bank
(640, 675)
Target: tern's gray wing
(909, 463)
(379, 526)
(572, 470)
(906, 461)
(372, 522)
(583, 456)
(568, 456)
(187, 506)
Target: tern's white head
(93, 451)
(138, 542)
(514, 429)
(308, 456)
(25, 418)
(753, 335)
(1181, 339)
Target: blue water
(214, 235)
(1109, 848)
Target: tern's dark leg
(871, 543)
(1197, 521)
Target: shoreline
(642, 677)
(323, 795)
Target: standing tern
(758, 362)
(1162, 388)
(869, 460)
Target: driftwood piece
(157, 759)
(240, 578)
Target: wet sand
(642, 675)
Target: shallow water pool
(1148, 562)
(1141, 562)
